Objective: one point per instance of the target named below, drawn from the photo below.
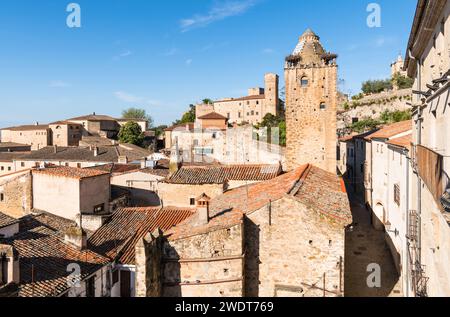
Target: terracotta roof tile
(220, 174)
(323, 192)
(255, 97)
(213, 116)
(404, 142)
(391, 130)
(6, 220)
(70, 172)
(117, 238)
(44, 257)
(28, 127)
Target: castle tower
(271, 102)
(311, 101)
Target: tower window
(323, 106)
(304, 81)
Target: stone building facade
(16, 197)
(238, 244)
(311, 103)
(250, 109)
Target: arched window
(323, 106)
(304, 81)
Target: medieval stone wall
(17, 195)
(204, 265)
(290, 249)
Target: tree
(207, 101)
(271, 121)
(395, 116)
(376, 86)
(131, 133)
(188, 117)
(159, 130)
(402, 82)
(137, 114)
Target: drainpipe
(419, 181)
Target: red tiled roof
(28, 127)
(44, 258)
(391, 130)
(228, 209)
(212, 116)
(323, 192)
(315, 188)
(404, 141)
(219, 174)
(117, 238)
(70, 172)
(115, 168)
(255, 97)
(6, 220)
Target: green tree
(136, 113)
(365, 125)
(131, 133)
(271, 121)
(402, 82)
(376, 86)
(159, 130)
(207, 101)
(188, 117)
(395, 116)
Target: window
(397, 194)
(9, 168)
(2, 197)
(22, 164)
(253, 113)
(192, 201)
(90, 287)
(257, 102)
(304, 81)
(79, 165)
(323, 106)
(2, 168)
(99, 208)
(239, 114)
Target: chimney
(9, 270)
(76, 237)
(55, 149)
(95, 151)
(202, 205)
(93, 113)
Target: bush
(376, 86)
(365, 125)
(402, 82)
(395, 116)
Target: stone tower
(271, 102)
(311, 101)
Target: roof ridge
(294, 190)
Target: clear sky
(164, 55)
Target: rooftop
(391, 130)
(255, 97)
(86, 154)
(70, 172)
(6, 220)
(212, 116)
(12, 145)
(197, 175)
(403, 142)
(44, 258)
(11, 156)
(28, 127)
(315, 188)
(93, 117)
(117, 238)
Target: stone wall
(373, 106)
(180, 194)
(17, 195)
(277, 267)
(214, 259)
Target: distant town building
(311, 105)
(249, 109)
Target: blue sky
(165, 55)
